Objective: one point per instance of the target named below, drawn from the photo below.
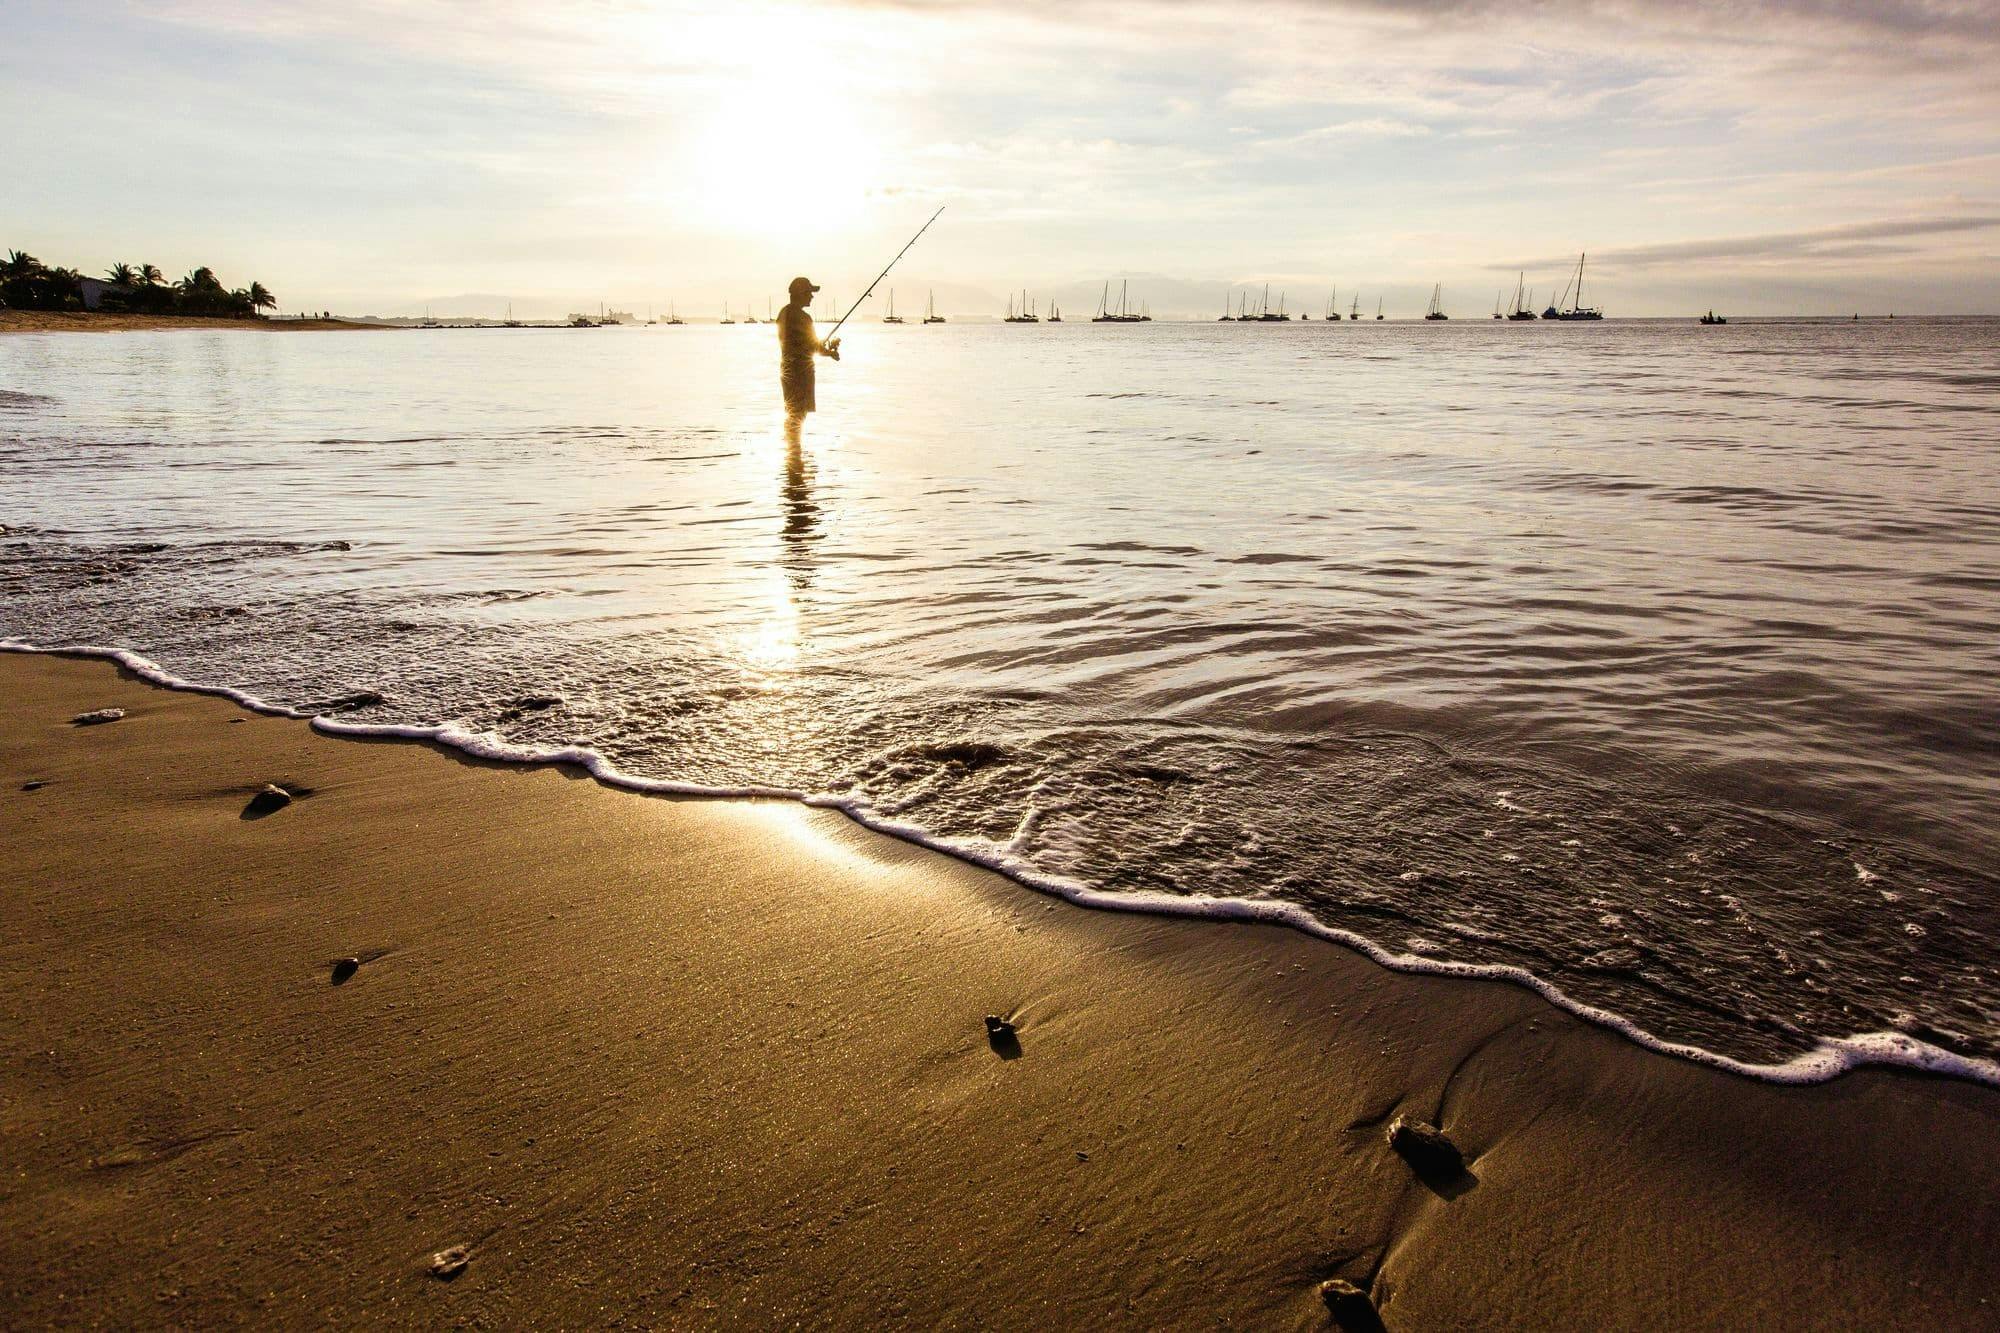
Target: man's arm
(803, 329)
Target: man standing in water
(797, 345)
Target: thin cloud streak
(1823, 242)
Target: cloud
(1375, 127)
(459, 144)
(1842, 242)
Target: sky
(1756, 156)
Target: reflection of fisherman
(797, 345)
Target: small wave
(1130, 546)
(1826, 1059)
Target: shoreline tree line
(26, 283)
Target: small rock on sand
(102, 715)
(448, 1264)
(997, 1026)
(343, 968)
(1425, 1147)
(270, 797)
(1347, 1303)
(34, 784)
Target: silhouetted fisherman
(797, 345)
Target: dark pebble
(271, 798)
(1425, 1147)
(1349, 1303)
(997, 1026)
(343, 968)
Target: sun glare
(759, 166)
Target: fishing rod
(879, 276)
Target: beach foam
(1828, 1059)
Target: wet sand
(98, 321)
(723, 1063)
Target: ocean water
(1648, 664)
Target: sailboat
(672, 318)
(1498, 297)
(1712, 318)
(725, 314)
(1227, 318)
(1577, 309)
(1055, 313)
(1333, 305)
(931, 316)
(1522, 301)
(1355, 313)
(510, 322)
(892, 317)
(1378, 307)
(1437, 303)
(1022, 315)
(1123, 314)
(1268, 315)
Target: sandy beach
(97, 321)
(707, 1063)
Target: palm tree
(261, 298)
(201, 294)
(65, 289)
(28, 283)
(121, 275)
(149, 274)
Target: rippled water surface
(1655, 660)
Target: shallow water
(1651, 660)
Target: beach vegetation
(26, 283)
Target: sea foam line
(1829, 1058)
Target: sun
(761, 165)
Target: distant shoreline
(99, 321)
